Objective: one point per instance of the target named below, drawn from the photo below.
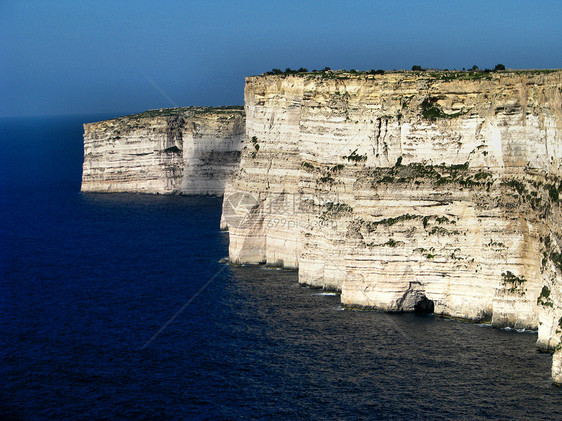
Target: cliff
(409, 191)
(181, 150)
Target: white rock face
(185, 150)
(396, 187)
(557, 367)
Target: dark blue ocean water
(87, 280)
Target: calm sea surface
(88, 279)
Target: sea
(119, 307)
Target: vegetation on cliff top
(169, 112)
(473, 73)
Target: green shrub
(516, 185)
(557, 259)
(308, 165)
(255, 143)
(336, 208)
(544, 296)
(393, 243)
(511, 278)
(353, 156)
(392, 221)
(432, 111)
(513, 283)
(482, 175)
(553, 192)
(439, 231)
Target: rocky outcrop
(557, 367)
(408, 190)
(181, 150)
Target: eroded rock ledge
(408, 188)
(180, 150)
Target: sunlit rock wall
(407, 186)
(181, 150)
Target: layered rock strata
(405, 188)
(181, 150)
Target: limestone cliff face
(408, 186)
(183, 150)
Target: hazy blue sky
(66, 57)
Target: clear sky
(71, 57)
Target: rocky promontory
(409, 191)
(180, 150)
